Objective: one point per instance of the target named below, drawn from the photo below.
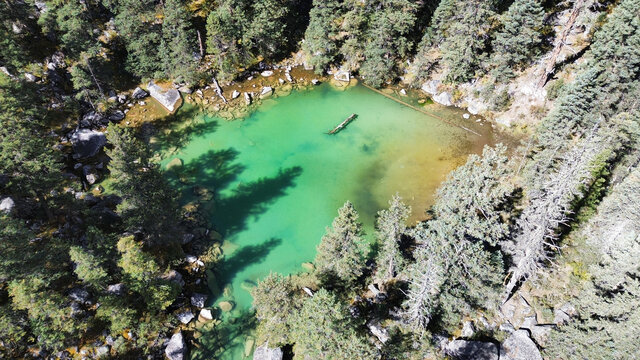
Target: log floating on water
(342, 124)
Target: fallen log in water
(342, 124)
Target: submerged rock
(175, 163)
(226, 306)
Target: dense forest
(527, 253)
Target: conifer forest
(152, 208)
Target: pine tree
(388, 40)
(390, 227)
(609, 304)
(464, 45)
(320, 39)
(323, 329)
(88, 267)
(178, 43)
(474, 197)
(518, 42)
(27, 157)
(275, 302)
(341, 253)
(224, 37)
(266, 30)
(148, 202)
(456, 269)
(136, 22)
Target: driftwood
(342, 124)
(218, 90)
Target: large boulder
(471, 350)
(443, 99)
(87, 143)
(168, 98)
(176, 348)
(342, 75)
(519, 347)
(264, 352)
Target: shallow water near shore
(278, 179)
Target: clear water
(279, 178)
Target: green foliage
(143, 275)
(88, 267)
(27, 156)
(323, 329)
(388, 40)
(519, 40)
(341, 253)
(71, 22)
(136, 22)
(224, 37)
(178, 47)
(609, 305)
(148, 200)
(465, 42)
(276, 304)
(455, 270)
(391, 225)
(50, 317)
(321, 43)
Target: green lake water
(279, 179)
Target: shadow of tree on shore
(227, 335)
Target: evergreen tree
(456, 270)
(276, 304)
(320, 39)
(473, 198)
(464, 45)
(27, 157)
(148, 202)
(341, 253)
(354, 27)
(390, 227)
(143, 273)
(518, 42)
(323, 329)
(178, 43)
(388, 40)
(71, 22)
(224, 36)
(265, 32)
(136, 23)
(88, 267)
(609, 304)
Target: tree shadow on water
(214, 170)
(249, 200)
(177, 130)
(243, 257)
